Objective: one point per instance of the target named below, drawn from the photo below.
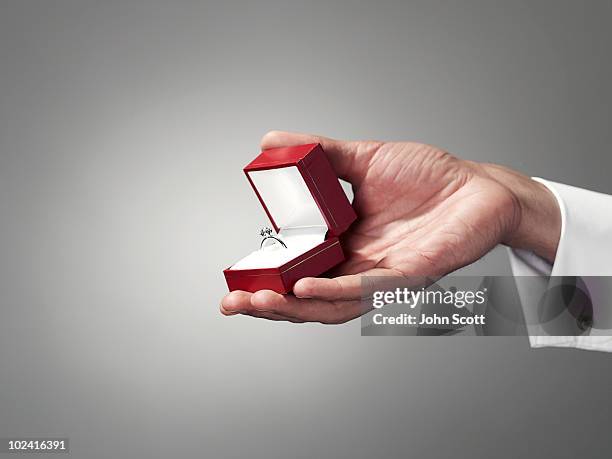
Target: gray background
(124, 126)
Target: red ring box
(308, 208)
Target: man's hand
(422, 212)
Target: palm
(420, 209)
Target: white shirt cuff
(585, 249)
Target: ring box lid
(297, 187)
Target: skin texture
(422, 212)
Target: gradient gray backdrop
(124, 126)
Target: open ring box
(308, 208)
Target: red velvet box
(308, 208)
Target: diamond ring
(266, 233)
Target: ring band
(272, 237)
(266, 233)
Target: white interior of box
(287, 197)
(291, 205)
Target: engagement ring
(266, 233)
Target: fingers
(239, 302)
(275, 139)
(340, 288)
(336, 150)
(315, 299)
(235, 302)
(272, 316)
(274, 306)
(349, 159)
(350, 287)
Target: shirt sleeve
(585, 249)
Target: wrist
(538, 227)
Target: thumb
(349, 159)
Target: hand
(422, 212)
